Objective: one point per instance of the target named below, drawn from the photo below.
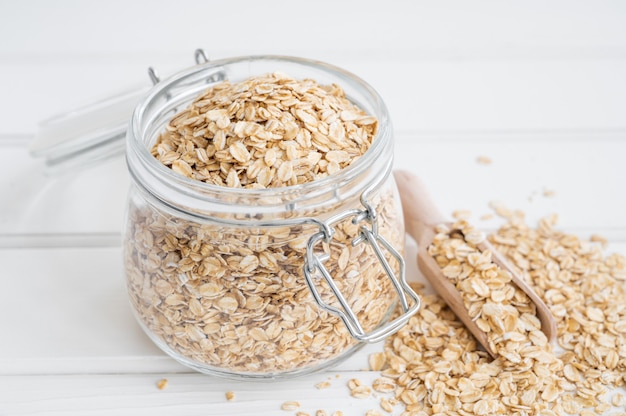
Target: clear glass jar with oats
(264, 236)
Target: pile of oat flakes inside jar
(264, 235)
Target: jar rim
(139, 148)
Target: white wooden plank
(524, 95)
(585, 173)
(444, 65)
(91, 200)
(448, 95)
(122, 28)
(75, 317)
(69, 313)
(189, 394)
(584, 170)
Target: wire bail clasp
(367, 235)
(201, 58)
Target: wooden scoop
(421, 217)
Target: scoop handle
(420, 212)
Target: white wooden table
(538, 87)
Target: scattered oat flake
(361, 392)
(323, 385)
(483, 160)
(386, 405)
(596, 238)
(462, 214)
(384, 385)
(161, 384)
(548, 193)
(501, 210)
(354, 383)
(230, 396)
(486, 217)
(291, 405)
(504, 212)
(376, 361)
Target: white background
(538, 87)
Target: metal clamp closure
(370, 236)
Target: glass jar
(263, 283)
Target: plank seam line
(114, 240)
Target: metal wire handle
(370, 236)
